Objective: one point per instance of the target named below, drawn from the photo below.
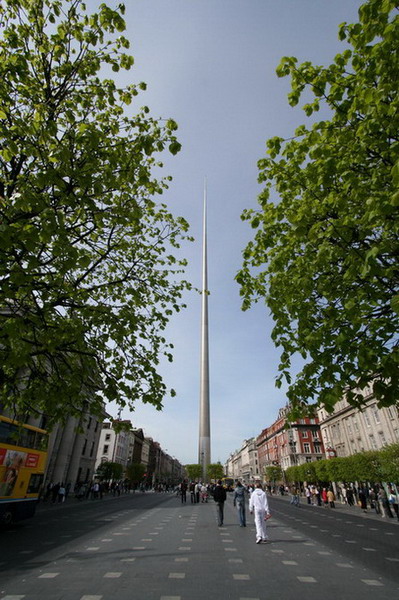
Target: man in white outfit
(258, 504)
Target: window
(317, 447)
(373, 443)
(348, 426)
(382, 438)
(315, 435)
(304, 434)
(355, 424)
(35, 481)
(313, 421)
(89, 423)
(306, 448)
(84, 448)
(366, 418)
(105, 450)
(376, 414)
(92, 449)
(391, 412)
(107, 437)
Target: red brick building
(284, 446)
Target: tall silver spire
(204, 450)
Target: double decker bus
(23, 455)
(228, 483)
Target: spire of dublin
(204, 448)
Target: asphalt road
(151, 547)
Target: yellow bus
(23, 455)
(228, 483)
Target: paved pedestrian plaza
(154, 548)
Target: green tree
(273, 474)
(215, 471)
(108, 471)
(324, 256)
(292, 474)
(194, 471)
(135, 472)
(389, 461)
(88, 275)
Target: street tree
(88, 272)
(194, 471)
(273, 473)
(325, 253)
(109, 471)
(135, 472)
(215, 471)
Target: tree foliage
(325, 253)
(108, 471)
(135, 472)
(273, 473)
(194, 471)
(87, 271)
(215, 471)
(375, 466)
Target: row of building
(79, 446)
(344, 432)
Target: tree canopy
(194, 471)
(325, 253)
(215, 471)
(88, 272)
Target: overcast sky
(210, 65)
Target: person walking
(219, 495)
(258, 505)
(183, 491)
(239, 502)
(331, 498)
(294, 496)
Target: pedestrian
(192, 492)
(393, 500)
(219, 495)
(362, 499)
(294, 496)
(258, 505)
(331, 498)
(197, 491)
(61, 493)
(239, 503)
(183, 491)
(324, 496)
(204, 493)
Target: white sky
(210, 65)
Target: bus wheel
(7, 517)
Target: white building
(348, 430)
(243, 463)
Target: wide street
(150, 546)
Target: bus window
(35, 482)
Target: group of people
(258, 504)
(385, 503)
(199, 492)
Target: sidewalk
(342, 508)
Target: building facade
(243, 463)
(287, 444)
(347, 430)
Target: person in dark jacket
(219, 495)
